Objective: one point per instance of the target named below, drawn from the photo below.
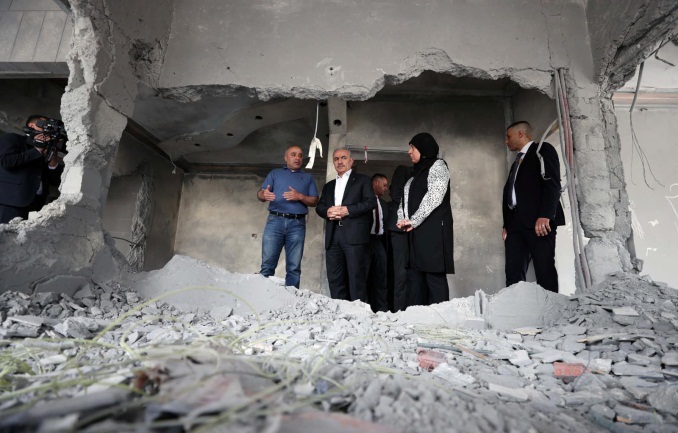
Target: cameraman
(25, 176)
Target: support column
(336, 115)
(601, 191)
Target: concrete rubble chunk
(670, 359)
(625, 369)
(64, 284)
(630, 415)
(517, 393)
(27, 320)
(664, 398)
(362, 364)
(625, 311)
(525, 305)
(638, 387)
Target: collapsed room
(132, 300)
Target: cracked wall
(262, 48)
(67, 237)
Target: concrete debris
(110, 359)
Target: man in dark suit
(377, 292)
(531, 208)
(346, 203)
(25, 176)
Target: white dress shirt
(513, 191)
(340, 187)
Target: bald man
(289, 192)
(531, 209)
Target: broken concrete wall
(161, 204)
(469, 41)
(222, 222)
(622, 35)
(68, 237)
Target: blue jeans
(283, 232)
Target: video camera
(52, 128)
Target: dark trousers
(377, 293)
(347, 268)
(523, 244)
(427, 288)
(8, 213)
(399, 255)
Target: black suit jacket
(536, 197)
(359, 199)
(22, 170)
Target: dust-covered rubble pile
(105, 360)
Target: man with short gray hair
(346, 204)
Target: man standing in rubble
(531, 208)
(377, 291)
(346, 204)
(289, 192)
(25, 176)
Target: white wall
(654, 207)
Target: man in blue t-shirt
(289, 192)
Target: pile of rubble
(106, 360)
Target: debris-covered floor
(105, 359)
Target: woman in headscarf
(426, 215)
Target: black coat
(400, 177)
(22, 170)
(432, 242)
(359, 199)
(536, 197)
(385, 205)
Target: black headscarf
(428, 149)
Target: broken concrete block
(583, 398)
(63, 284)
(638, 387)
(570, 344)
(27, 320)
(665, 398)
(45, 298)
(625, 311)
(600, 365)
(73, 328)
(525, 305)
(53, 360)
(670, 359)
(85, 292)
(629, 415)
(603, 411)
(625, 369)
(453, 375)
(520, 357)
(517, 393)
(477, 323)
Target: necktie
(512, 180)
(377, 223)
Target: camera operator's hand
(54, 162)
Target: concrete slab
(525, 305)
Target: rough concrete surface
(115, 362)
